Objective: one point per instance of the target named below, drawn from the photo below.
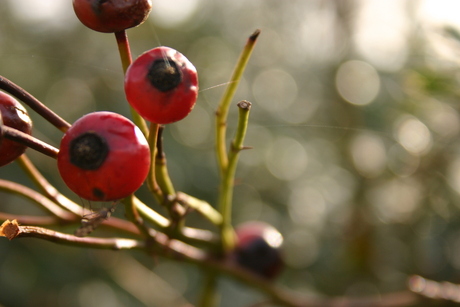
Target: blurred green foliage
(355, 126)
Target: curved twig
(50, 191)
(34, 103)
(38, 198)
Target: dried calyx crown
(88, 151)
(164, 75)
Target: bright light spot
(301, 249)
(97, 293)
(307, 205)
(413, 135)
(77, 93)
(381, 31)
(286, 159)
(172, 13)
(440, 12)
(21, 112)
(401, 162)
(435, 16)
(194, 130)
(357, 82)
(273, 237)
(43, 13)
(319, 25)
(395, 200)
(443, 119)
(368, 154)
(275, 90)
(454, 175)
(337, 185)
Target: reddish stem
(29, 141)
(34, 103)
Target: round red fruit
(258, 249)
(103, 157)
(162, 85)
(13, 115)
(112, 15)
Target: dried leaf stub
(9, 229)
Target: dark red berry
(15, 116)
(258, 249)
(112, 15)
(162, 85)
(103, 157)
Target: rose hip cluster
(258, 249)
(104, 156)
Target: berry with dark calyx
(103, 157)
(110, 16)
(162, 85)
(13, 115)
(258, 249)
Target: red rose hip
(103, 157)
(13, 115)
(112, 15)
(258, 249)
(162, 85)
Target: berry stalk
(161, 169)
(33, 103)
(151, 178)
(126, 60)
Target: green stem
(202, 207)
(226, 187)
(161, 169)
(151, 179)
(188, 235)
(209, 296)
(224, 104)
(150, 215)
(126, 60)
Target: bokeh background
(355, 127)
